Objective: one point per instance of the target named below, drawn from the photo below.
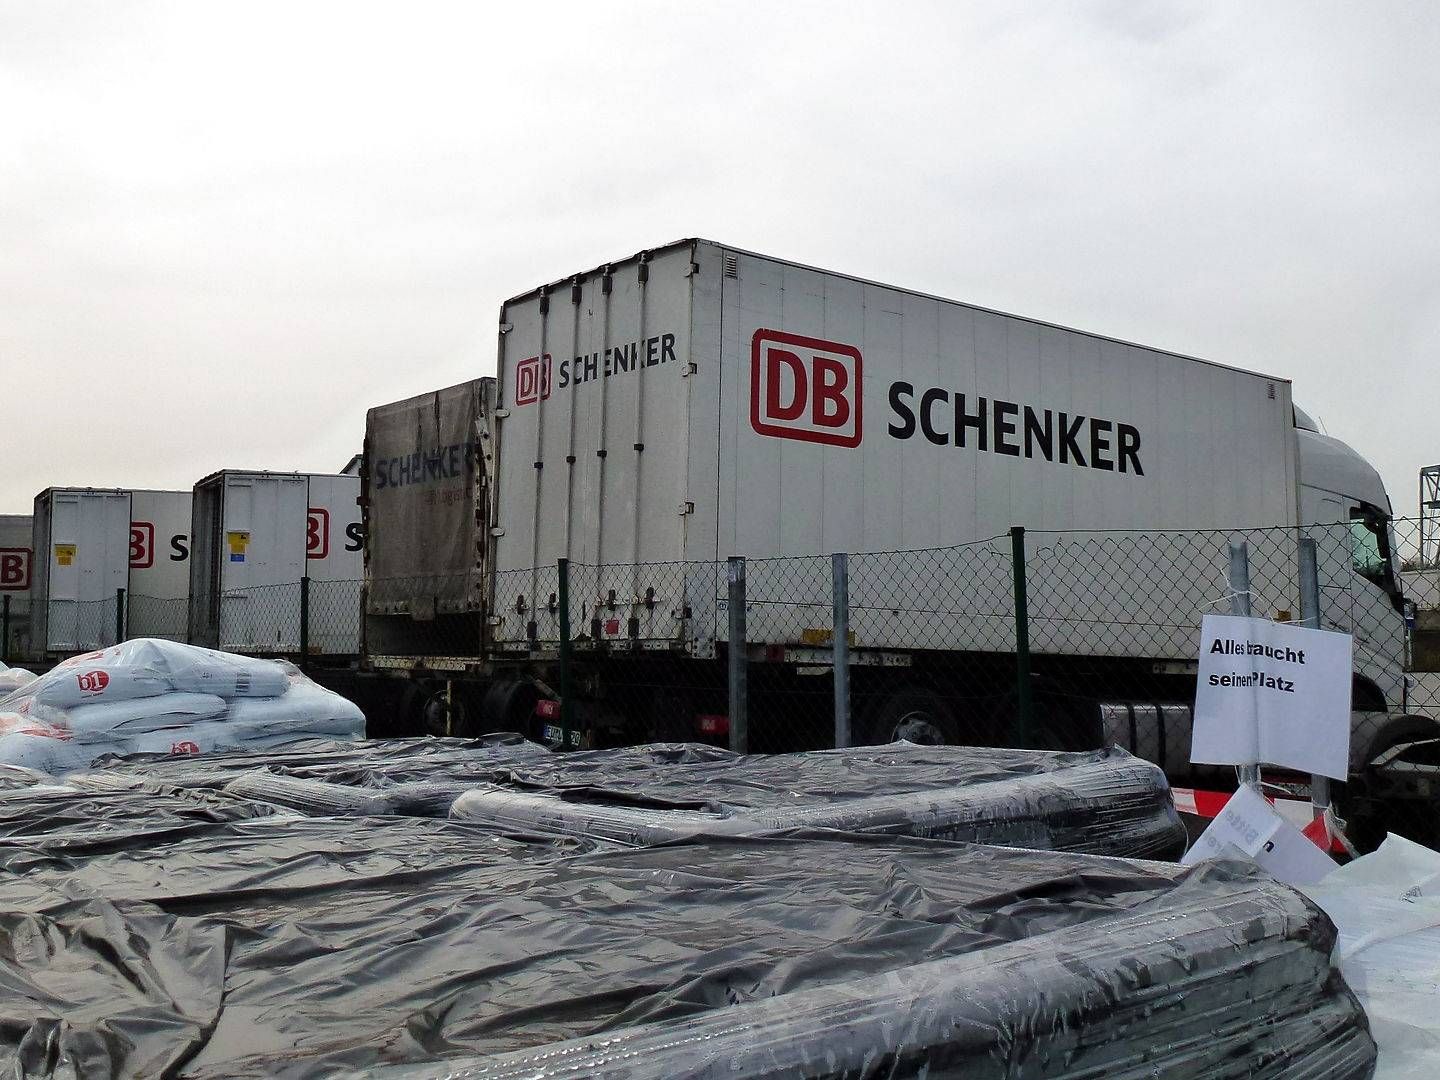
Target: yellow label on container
(237, 543)
(65, 554)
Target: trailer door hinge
(506, 327)
(497, 530)
(500, 414)
(687, 508)
(689, 369)
(692, 269)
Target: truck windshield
(1370, 548)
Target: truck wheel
(446, 718)
(1372, 806)
(913, 714)
(672, 716)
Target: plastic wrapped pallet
(1103, 802)
(13, 678)
(154, 696)
(307, 947)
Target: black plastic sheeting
(1103, 802)
(282, 945)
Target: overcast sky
(227, 230)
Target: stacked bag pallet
(154, 696)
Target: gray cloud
(225, 232)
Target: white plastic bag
(304, 706)
(1386, 906)
(13, 678)
(117, 719)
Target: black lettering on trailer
(179, 547)
(1099, 446)
(1129, 448)
(928, 401)
(1069, 448)
(354, 536)
(906, 428)
(1036, 435)
(1005, 411)
(979, 421)
(564, 374)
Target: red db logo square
(14, 569)
(532, 380)
(317, 533)
(805, 388)
(142, 545)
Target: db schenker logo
(532, 380)
(805, 388)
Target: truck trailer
(654, 416)
(109, 561)
(276, 558)
(16, 560)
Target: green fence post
(305, 623)
(566, 706)
(5, 629)
(119, 616)
(1024, 706)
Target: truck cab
(1343, 503)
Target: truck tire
(509, 705)
(914, 714)
(1369, 809)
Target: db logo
(142, 545)
(532, 380)
(804, 388)
(92, 682)
(14, 569)
(184, 747)
(317, 533)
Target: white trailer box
(256, 536)
(16, 571)
(92, 543)
(698, 401)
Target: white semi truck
(656, 415)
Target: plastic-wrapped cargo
(1386, 906)
(13, 678)
(153, 696)
(1103, 802)
(307, 947)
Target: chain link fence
(1064, 640)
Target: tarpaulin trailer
(261, 541)
(653, 416)
(109, 563)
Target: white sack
(118, 719)
(305, 706)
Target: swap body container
(17, 561)
(698, 401)
(258, 535)
(91, 543)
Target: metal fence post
(119, 616)
(1309, 565)
(305, 623)
(567, 706)
(735, 651)
(5, 629)
(840, 643)
(1240, 605)
(1024, 705)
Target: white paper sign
(1272, 693)
(1250, 827)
